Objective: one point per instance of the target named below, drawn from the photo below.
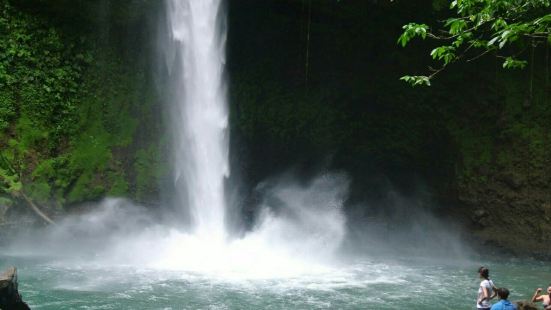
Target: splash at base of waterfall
(301, 236)
(249, 258)
(298, 231)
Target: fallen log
(37, 210)
(9, 294)
(17, 192)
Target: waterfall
(299, 224)
(199, 111)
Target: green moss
(69, 108)
(119, 185)
(504, 158)
(148, 169)
(29, 134)
(91, 151)
(287, 117)
(7, 109)
(45, 169)
(5, 201)
(85, 189)
(39, 191)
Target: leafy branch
(486, 26)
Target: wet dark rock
(480, 213)
(514, 182)
(480, 216)
(9, 294)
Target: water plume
(399, 225)
(298, 231)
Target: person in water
(545, 298)
(503, 303)
(486, 290)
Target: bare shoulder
(540, 298)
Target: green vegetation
(509, 29)
(518, 33)
(68, 107)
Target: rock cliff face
(512, 208)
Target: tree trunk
(37, 210)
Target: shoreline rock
(9, 294)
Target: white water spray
(200, 116)
(300, 224)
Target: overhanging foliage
(506, 28)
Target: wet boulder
(9, 294)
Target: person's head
(549, 289)
(503, 293)
(484, 272)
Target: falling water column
(200, 116)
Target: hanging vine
(307, 59)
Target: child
(503, 303)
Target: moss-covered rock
(69, 108)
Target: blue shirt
(504, 305)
